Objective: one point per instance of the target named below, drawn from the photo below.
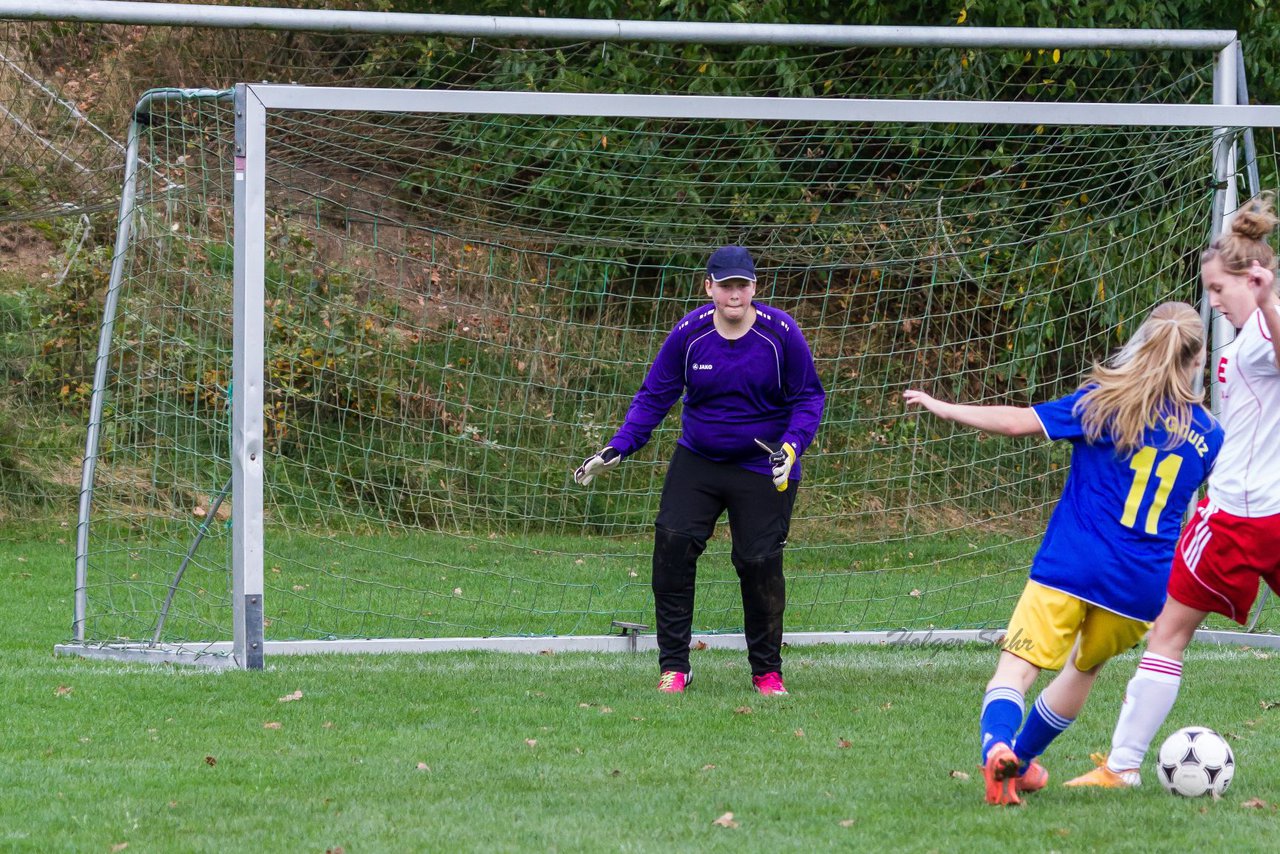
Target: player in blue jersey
(1142, 444)
(752, 403)
(1232, 541)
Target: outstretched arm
(1005, 420)
(661, 389)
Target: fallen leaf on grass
(708, 767)
(1255, 804)
(119, 846)
(848, 822)
(272, 725)
(210, 761)
(422, 766)
(1268, 705)
(699, 645)
(799, 733)
(327, 724)
(532, 742)
(289, 698)
(844, 743)
(62, 691)
(172, 804)
(959, 775)
(725, 820)
(605, 710)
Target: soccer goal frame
(254, 105)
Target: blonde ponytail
(1150, 381)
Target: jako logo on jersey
(701, 367)
(1222, 369)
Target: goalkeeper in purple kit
(752, 403)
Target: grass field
(875, 750)
(417, 584)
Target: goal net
(461, 292)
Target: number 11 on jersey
(1167, 472)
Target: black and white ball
(1196, 761)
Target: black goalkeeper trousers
(696, 492)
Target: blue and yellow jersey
(1112, 536)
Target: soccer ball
(1196, 761)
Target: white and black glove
(598, 463)
(781, 459)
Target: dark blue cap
(731, 262)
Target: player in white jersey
(1233, 539)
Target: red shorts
(1220, 559)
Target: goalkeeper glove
(599, 462)
(781, 459)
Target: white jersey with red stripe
(1246, 477)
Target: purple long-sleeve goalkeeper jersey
(760, 386)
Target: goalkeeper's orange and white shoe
(673, 681)
(1000, 772)
(1033, 779)
(1103, 777)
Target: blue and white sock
(1042, 726)
(1002, 710)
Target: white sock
(1147, 702)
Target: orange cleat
(1033, 779)
(1103, 777)
(1000, 772)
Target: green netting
(459, 309)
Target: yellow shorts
(1046, 623)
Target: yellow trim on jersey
(1046, 623)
